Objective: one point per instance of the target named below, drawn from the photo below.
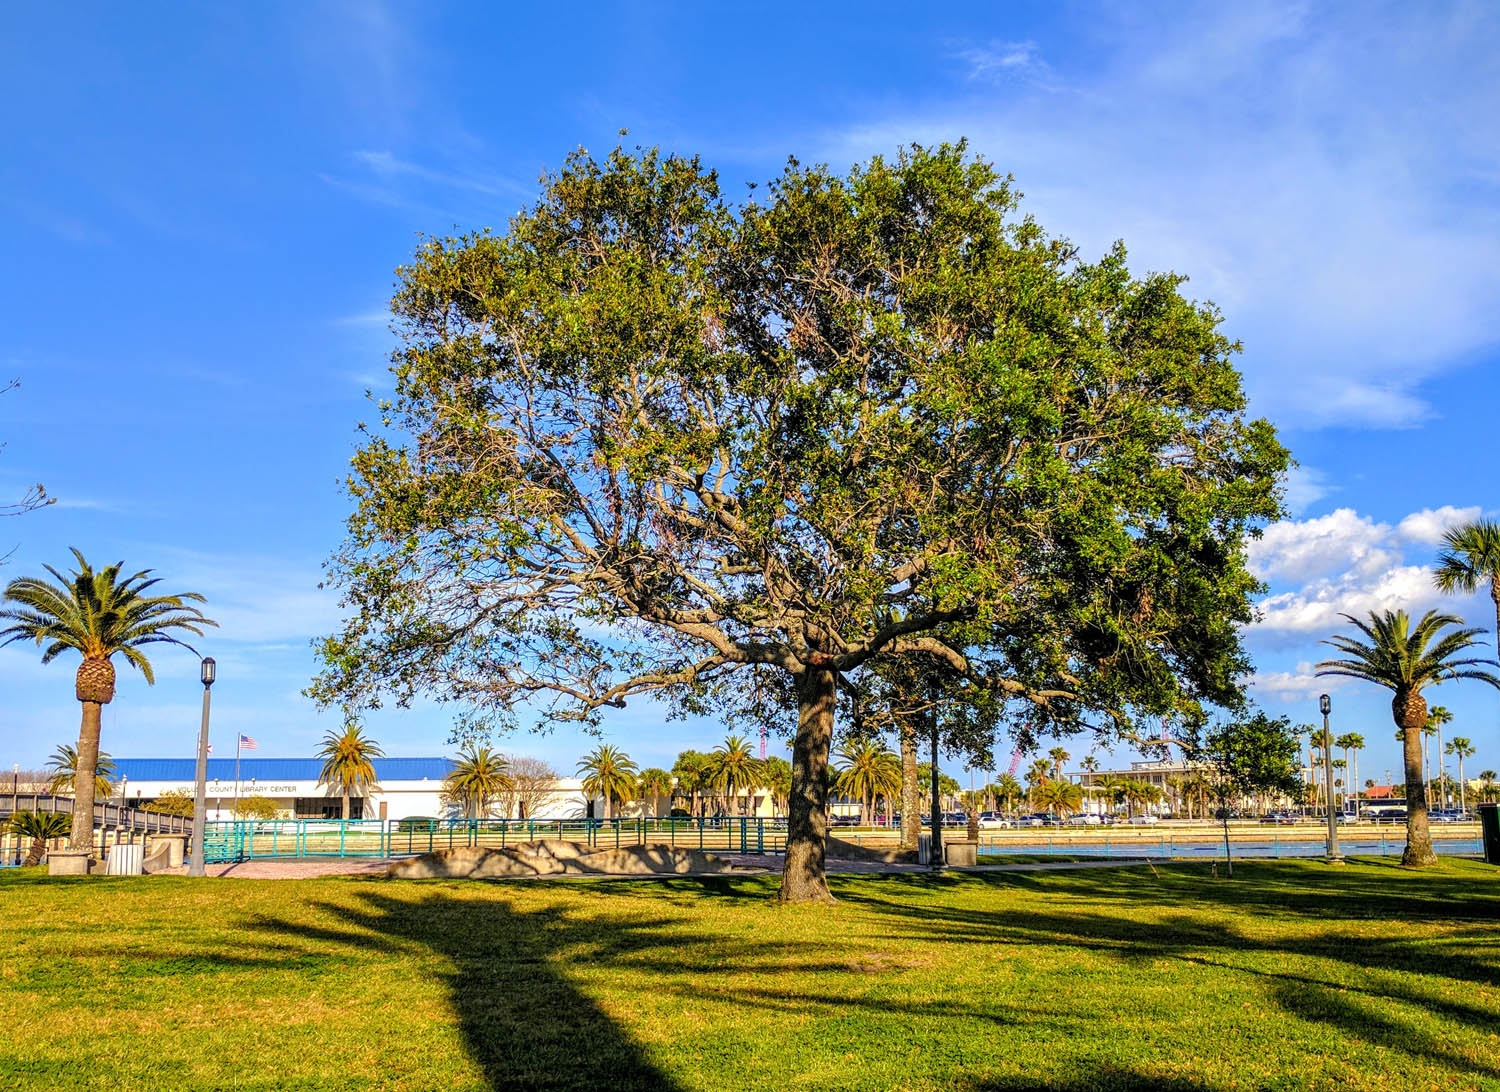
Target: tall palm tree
(1090, 766)
(1406, 659)
(41, 827)
(478, 779)
(1471, 557)
(867, 769)
(1461, 748)
(1438, 716)
(1351, 743)
(96, 614)
(608, 772)
(348, 763)
(733, 768)
(64, 778)
(654, 785)
(1058, 756)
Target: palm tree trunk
(803, 878)
(34, 855)
(82, 837)
(1410, 711)
(346, 804)
(911, 792)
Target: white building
(406, 787)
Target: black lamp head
(206, 671)
(1324, 705)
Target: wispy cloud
(1330, 178)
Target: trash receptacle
(125, 860)
(924, 849)
(1489, 829)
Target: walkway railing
(107, 816)
(248, 839)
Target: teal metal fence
(250, 839)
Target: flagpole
(238, 737)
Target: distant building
(406, 787)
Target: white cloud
(1342, 541)
(1428, 525)
(1294, 685)
(1002, 58)
(1346, 563)
(1328, 177)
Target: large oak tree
(645, 440)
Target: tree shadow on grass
(522, 1022)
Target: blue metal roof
(274, 769)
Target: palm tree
(1059, 797)
(1058, 756)
(1437, 716)
(608, 772)
(733, 768)
(1461, 748)
(776, 774)
(348, 763)
(1008, 790)
(1471, 557)
(1487, 783)
(64, 767)
(1039, 771)
(41, 827)
(1406, 659)
(868, 769)
(96, 614)
(478, 779)
(654, 785)
(1351, 743)
(691, 771)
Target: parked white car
(1084, 819)
(1144, 820)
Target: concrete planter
(68, 862)
(961, 854)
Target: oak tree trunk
(803, 879)
(1410, 711)
(82, 837)
(911, 792)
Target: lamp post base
(1335, 859)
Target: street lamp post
(1334, 856)
(200, 786)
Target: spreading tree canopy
(645, 442)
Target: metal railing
(245, 840)
(107, 816)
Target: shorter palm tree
(733, 768)
(1487, 783)
(776, 775)
(41, 827)
(608, 773)
(868, 769)
(348, 763)
(1058, 756)
(692, 774)
(1008, 791)
(1469, 559)
(1406, 659)
(64, 776)
(1059, 797)
(655, 785)
(478, 779)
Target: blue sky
(204, 206)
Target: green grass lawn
(1291, 976)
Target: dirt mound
(557, 859)
(840, 850)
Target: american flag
(246, 743)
